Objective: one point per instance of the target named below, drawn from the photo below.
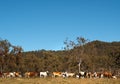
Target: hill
(94, 56)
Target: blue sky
(45, 24)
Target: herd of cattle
(57, 74)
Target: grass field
(58, 81)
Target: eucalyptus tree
(17, 53)
(10, 56)
(78, 47)
(4, 52)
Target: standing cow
(44, 74)
(31, 74)
(56, 74)
(66, 74)
(82, 74)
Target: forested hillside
(93, 56)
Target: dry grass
(58, 81)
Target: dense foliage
(94, 56)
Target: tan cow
(57, 74)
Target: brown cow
(31, 74)
(107, 74)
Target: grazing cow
(107, 74)
(44, 74)
(31, 74)
(8, 75)
(11, 74)
(57, 74)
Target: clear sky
(45, 24)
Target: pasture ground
(57, 81)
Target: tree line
(90, 55)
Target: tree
(4, 51)
(79, 48)
(10, 56)
(17, 52)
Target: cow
(66, 74)
(57, 74)
(94, 75)
(5, 74)
(44, 74)
(18, 74)
(99, 75)
(9, 75)
(81, 74)
(89, 75)
(31, 74)
(107, 74)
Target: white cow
(81, 75)
(66, 74)
(9, 75)
(44, 74)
